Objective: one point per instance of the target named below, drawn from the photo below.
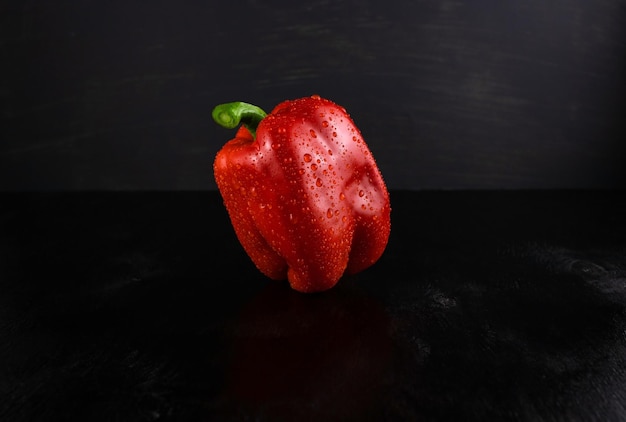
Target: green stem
(230, 115)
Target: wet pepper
(303, 191)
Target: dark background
(448, 94)
(491, 302)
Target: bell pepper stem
(230, 115)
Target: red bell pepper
(303, 191)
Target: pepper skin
(303, 191)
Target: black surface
(449, 94)
(143, 307)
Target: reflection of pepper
(303, 191)
(308, 357)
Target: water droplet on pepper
(307, 158)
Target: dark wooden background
(477, 94)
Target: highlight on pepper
(302, 190)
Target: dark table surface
(127, 306)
